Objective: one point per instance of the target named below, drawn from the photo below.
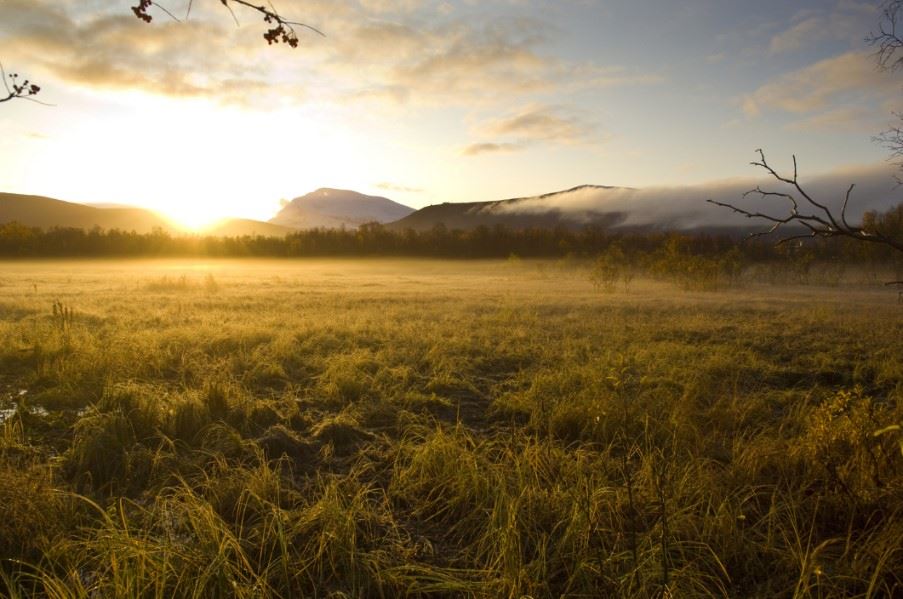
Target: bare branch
(892, 139)
(171, 16)
(889, 38)
(888, 42)
(820, 223)
(843, 210)
(281, 29)
(796, 238)
(26, 90)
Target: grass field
(416, 428)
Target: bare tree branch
(888, 42)
(281, 29)
(805, 211)
(889, 38)
(26, 90)
(892, 139)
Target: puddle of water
(7, 413)
(9, 407)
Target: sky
(430, 101)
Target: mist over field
(382, 426)
(681, 208)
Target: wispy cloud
(440, 60)
(539, 122)
(462, 62)
(850, 118)
(820, 85)
(491, 148)
(387, 186)
(116, 51)
(533, 124)
(845, 21)
(391, 6)
(686, 207)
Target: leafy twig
(281, 29)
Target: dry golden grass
(488, 429)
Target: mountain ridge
(514, 212)
(328, 207)
(46, 212)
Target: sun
(192, 217)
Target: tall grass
(423, 429)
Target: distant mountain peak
(331, 208)
(554, 209)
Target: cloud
(391, 6)
(386, 186)
(541, 123)
(491, 148)
(532, 124)
(686, 207)
(117, 51)
(589, 75)
(448, 59)
(821, 84)
(798, 35)
(472, 61)
(840, 93)
(852, 118)
(845, 21)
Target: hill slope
(239, 227)
(666, 208)
(336, 208)
(40, 211)
(544, 211)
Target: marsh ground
(358, 428)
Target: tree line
(373, 239)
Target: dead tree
(889, 38)
(814, 217)
(807, 212)
(888, 41)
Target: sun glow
(193, 218)
(196, 162)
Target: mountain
(557, 209)
(239, 227)
(337, 208)
(39, 211)
(106, 205)
(665, 208)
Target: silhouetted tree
(815, 218)
(889, 56)
(889, 38)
